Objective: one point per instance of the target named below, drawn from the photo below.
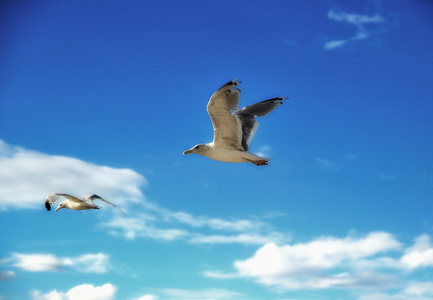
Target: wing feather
(227, 127)
(247, 116)
(54, 197)
(92, 197)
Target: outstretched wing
(247, 116)
(54, 197)
(227, 127)
(92, 197)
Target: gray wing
(92, 197)
(227, 127)
(247, 116)
(54, 197)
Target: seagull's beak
(187, 152)
(58, 207)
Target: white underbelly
(232, 156)
(79, 206)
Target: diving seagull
(234, 128)
(74, 203)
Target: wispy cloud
(83, 291)
(163, 226)
(6, 275)
(212, 223)
(328, 262)
(264, 151)
(360, 21)
(414, 290)
(307, 266)
(132, 227)
(146, 297)
(87, 263)
(219, 275)
(419, 288)
(419, 255)
(200, 294)
(216, 294)
(326, 164)
(246, 238)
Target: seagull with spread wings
(74, 203)
(234, 128)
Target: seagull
(74, 203)
(234, 128)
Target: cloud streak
(87, 263)
(162, 226)
(326, 164)
(216, 294)
(360, 21)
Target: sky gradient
(103, 97)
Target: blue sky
(103, 96)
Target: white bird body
(75, 203)
(231, 155)
(234, 128)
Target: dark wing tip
(234, 82)
(277, 99)
(47, 205)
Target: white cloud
(28, 177)
(163, 224)
(355, 19)
(304, 265)
(213, 223)
(248, 231)
(376, 261)
(253, 239)
(147, 297)
(326, 262)
(53, 295)
(219, 275)
(133, 227)
(419, 288)
(204, 294)
(420, 255)
(80, 292)
(414, 290)
(87, 263)
(336, 44)
(360, 21)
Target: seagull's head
(61, 205)
(197, 149)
